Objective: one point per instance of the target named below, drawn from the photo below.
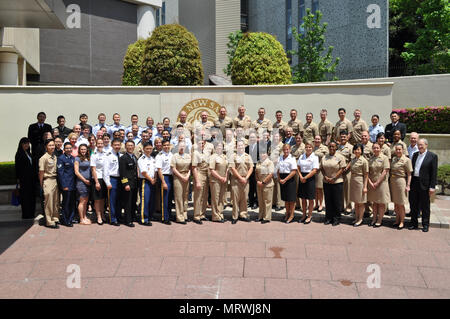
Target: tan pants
(51, 201)
(347, 202)
(180, 194)
(201, 196)
(265, 195)
(239, 195)
(277, 194)
(218, 191)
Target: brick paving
(243, 261)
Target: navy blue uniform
(66, 179)
(128, 175)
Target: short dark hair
(380, 134)
(106, 134)
(343, 132)
(42, 113)
(116, 140)
(376, 115)
(130, 142)
(60, 117)
(342, 109)
(58, 137)
(394, 112)
(165, 141)
(67, 143)
(84, 127)
(48, 141)
(83, 115)
(149, 143)
(121, 129)
(360, 146)
(278, 112)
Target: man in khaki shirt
(325, 127)
(359, 126)
(280, 124)
(262, 124)
(310, 129)
(345, 149)
(296, 124)
(242, 120)
(48, 181)
(187, 126)
(223, 121)
(342, 125)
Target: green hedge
(132, 64)
(7, 173)
(430, 119)
(443, 176)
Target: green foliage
(313, 65)
(260, 59)
(433, 120)
(420, 35)
(7, 173)
(232, 44)
(443, 176)
(132, 64)
(171, 57)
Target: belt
(116, 177)
(51, 177)
(167, 174)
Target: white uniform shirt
(285, 166)
(114, 127)
(419, 163)
(98, 126)
(307, 164)
(163, 161)
(99, 161)
(82, 140)
(129, 129)
(107, 149)
(146, 164)
(111, 167)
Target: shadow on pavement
(10, 231)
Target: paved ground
(246, 260)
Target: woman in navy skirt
(286, 170)
(308, 165)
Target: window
(244, 15)
(289, 28)
(301, 15)
(315, 5)
(158, 12)
(163, 13)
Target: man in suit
(129, 181)
(423, 184)
(392, 127)
(37, 130)
(62, 129)
(252, 149)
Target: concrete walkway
(246, 260)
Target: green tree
(171, 57)
(260, 59)
(313, 65)
(232, 44)
(132, 64)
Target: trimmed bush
(430, 119)
(171, 57)
(7, 173)
(132, 64)
(443, 176)
(260, 59)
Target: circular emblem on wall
(195, 108)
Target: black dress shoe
(307, 222)
(327, 222)
(357, 225)
(320, 210)
(394, 225)
(245, 219)
(115, 224)
(371, 224)
(234, 221)
(335, 223)
(408, 215)
(198, 221)
(400, 228)
(264, 221)
(53, 226)
(377, 225)
(75, 221)
(167, 222)
(254, 206)
(411, 227)
(204, 218)
(147, 223)
(425, 229)
(69, 225)
(182, 223)
(219, 221)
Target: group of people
(138, 174)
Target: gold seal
(195, 108)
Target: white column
(9, 68)
(22, 71)
(146, 21)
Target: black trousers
(334, 200)
(68, 206)
(129, 204)
(420, 202)
(252, 196)
(28, 198)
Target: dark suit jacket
(35, 134)
(24, 168)
(64, 132)
(255, 154)
(389, 131)
(428, 170)
(128, 171)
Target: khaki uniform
(239, 192)
(325, 129)
(188, 127)
(201, 161)
(332, 164)
(227, 122)
(344, 125)
(381, 194)
(310, 130)
(281, 128)
(297, 150)
(261, 126)
(405, 148)
(218, 163)
(297, 126)
(358, 128)
(180, 188)
(243, 139)
(139, 150)
(385, 150)
(245, 123)
(397, 181)
(47, 163)
(209, 148)
(346, 152)
(123, 150)
(229, 149)
(265, 193)
(359, 167)
(320, 152)
(274, 156)
(368, 153)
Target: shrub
(171, 57)
(132, 64)
(7, 173)
(260, 59)
(443, 176)
(426, 119)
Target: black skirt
(288, 189)
(98, 194)
(307, 190)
